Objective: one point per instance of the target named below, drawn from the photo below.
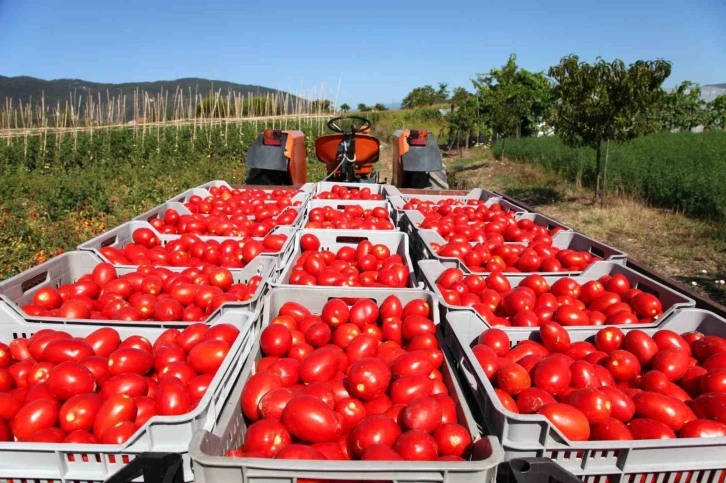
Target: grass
(688, 249)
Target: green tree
(423, 96)
(380, 107)
(716, 113)
(681, 109)
(442, 94)
(321, 105)
(363, 108)
(511, 98)
(465, 119)
(344, 107)
(458, 97)
(214, 107)
(605, 102)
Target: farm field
(688, 249)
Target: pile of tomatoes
(482, 224)
(191, 251)
(493, 256)
(352, 217)
(366, 265)
(149, 293)
(55, 388)
(357, 382)
(345, 193)
(609, 300)
(618, 386)
(225, 198)
(257, 221)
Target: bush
(683, 171)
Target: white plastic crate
(593, 461)
(334, 240)
(399, 200)
(67, 463)
(122, 235)
(429, 271)
(67, 268)
(208, 448)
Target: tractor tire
(439, 180)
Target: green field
(683, 171)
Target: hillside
(25, 88)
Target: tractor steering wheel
(364, 125)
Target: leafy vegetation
(61, 190)
(683, 171)
(426, 96)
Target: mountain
(25, 88)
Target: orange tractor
(350, 155)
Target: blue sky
(376, 50)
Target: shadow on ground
(707, 284)
(535, 195)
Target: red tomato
(207, 356)
(416, 445)
(672, 362)
(131, 360)
(335, 313)
(554, 337)
(610, 429)
(513, 379)
(423, 414)
(641, 345)
(255, 388)
(380, 452)
(594, 404)
(275, 340)
(70, 378)
(551, 374)
(273, 403)
(406, 389)
(309, 242)
(530, 400)
(62, 350)
(310, 419)
(497, 340)
(299, 452)
(377, 429)
(34, 416)
(570, 421)
(668, 410)
(644, 428)
(609, 339)
(452, 439)
(623, 365)
(702, 428)
(267, 436)
(320, 366)
(369, 378)
(172, 397)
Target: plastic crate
(334, 240)
(429, 271)
(563, 240)
(534, 435)
(398, 201)
(541, 220)
(342, 204)
(215, 183)
(86, 462)
(63, 269)
(122, 235)
(534, 470)
(323, 186)
(207, 449)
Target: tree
(363, 108)
(681, 109)
(321, 105)
(510, 98)
(716, 113)
(344, 107)
(458, 97)
(380, 107)
(605, 102)
(425, 96)
(465, 118)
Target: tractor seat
(367, 149)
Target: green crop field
(683, 171)
(59, 190)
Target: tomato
(714, 381)
(668, 410)
(708, 346)
(379, 405)
(414, 325)
(172, 397)
(570, 421)
(452, 439)
(275, 340)
(551, 374)
(335, 313)
(672, 362)
(423, 414)
(129, 360)
(70, 378)
(531, 399)
(641, 345)
(145, 410)
(61, 350)
(364, 345)
(666, 339)
(497, 340)
(320, 366)
(554, 337)
(646, 305)
(273, 403)
(644, 428)
(405, 389)
(81, 437)
(373, 430)
(207, 356)
(48, 435)
(119, 433)
(623, 365)
(417, 307)
(594, 404)
(609, 339)
(380, 452)
(369, 378)
(513, 379)
(9, 406)
(310, 419)
(287, 369)
(416, 445)
(610, 429)
(507, 401)
(309, 242)
(363, 312)
(702, 428)
(267, 436)
(34, 416)
(710, 406)
(584, 375)
(413, 363)
(299, 452)
(570, 316)
(352, 410)
(716, 361)
(255, 388)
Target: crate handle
(647, 289)
(161, 467)
(34, 281)
(598, 252)
(350, 239)
(109, 241)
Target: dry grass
(684, 248)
